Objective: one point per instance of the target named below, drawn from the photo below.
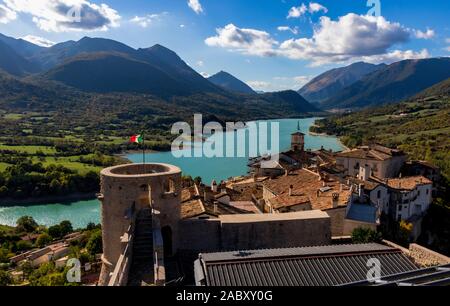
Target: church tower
(298, 141)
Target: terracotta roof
(408, 183)
(368, 185)
(188, 193)
(284, 201)
(375, 152)
(192, 209)
(246, 205)
(307, 183)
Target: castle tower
(128, 189)
(298, 141)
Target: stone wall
(426, 257)
(350, 225)
(200, 234)
(337, 216)
(243, 232)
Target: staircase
(142, 270)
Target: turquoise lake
(219, 168)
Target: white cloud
(205, 75)
(40, 41)
(293, 30)
(424, 35)
(313, 7)
(147, 20)
(316, 7)
(259, 85)
(447, 40)
(247, 41)
(196, 6)
(67, 15)
(6, 14)
(182, 26)
(200, 63)
(297, 11)
(350, 38)
(280, 83)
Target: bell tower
(298, 141)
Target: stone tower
(128, 189)
(298, 141)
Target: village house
(384, 162)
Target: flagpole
(143, 152)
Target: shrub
(23, 245)
(26, 224)
(43, 240)
(365, 235)
(94, 245)
(55, 231)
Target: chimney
(214, 186)
(341, 188)
(335, 200)
(360, 190)
(255, 177)
(286, 172)
(205, 196)
(364, 173)
(215, 207)
(291, 190)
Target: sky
(270, 44)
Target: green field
(3, 166)
(29, 149)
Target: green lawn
(3, 166)
(68, 162)
(29, 149)
(13, 116)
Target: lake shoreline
(75, 197)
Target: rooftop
(308, 184)
(307, 266)
(248, 218)
(408, 183)
(373, 152)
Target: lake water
(218, 168)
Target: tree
(94, 245)
(91, 226)
(66, 227)
(24, 245)
(43, 240)
(365, 235)
(26, 224)
(55, 231)
(5, 278)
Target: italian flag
(137, 139)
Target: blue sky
(271, 44)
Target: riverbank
(74, 197)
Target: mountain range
(329, 83)
(104, 66)
(392, 83)
(231, 83)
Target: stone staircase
(142, 269)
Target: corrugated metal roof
(310, 266)
(300, 251)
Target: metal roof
(309, 266)
(433, 276)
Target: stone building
(383, 162)
(147, 218)
(125, 191)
